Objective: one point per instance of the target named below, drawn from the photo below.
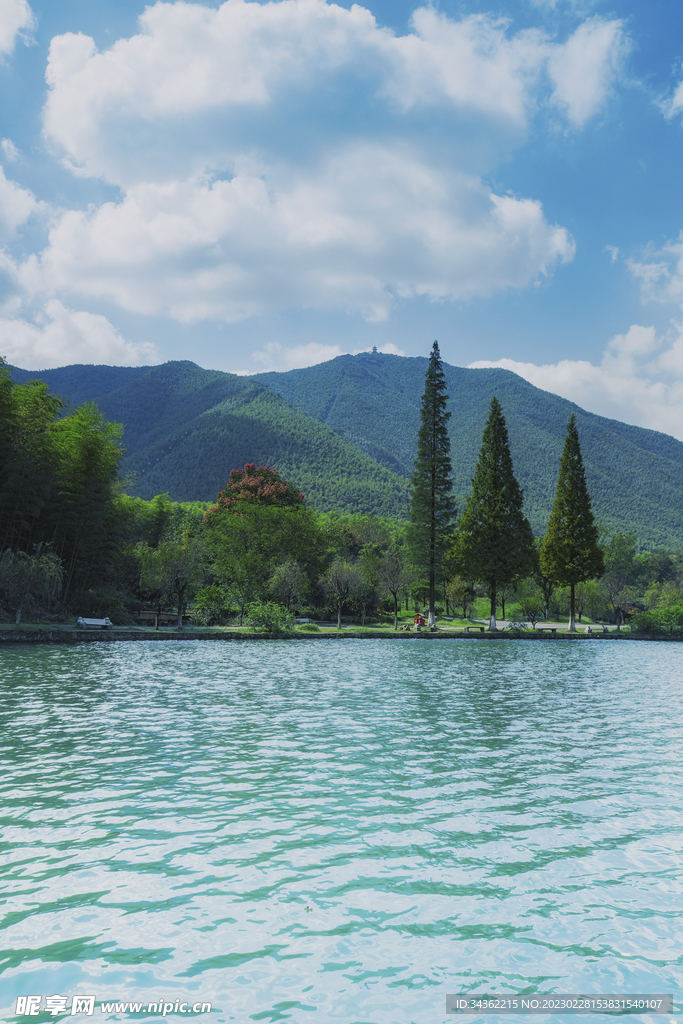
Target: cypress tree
(570, 553)
(432, 509)
(494, 542)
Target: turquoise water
(340, 831)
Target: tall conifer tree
(494, 542)
(432, 509)
(570, 553)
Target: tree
(259, 522)
(25, 579)
(257, 485)
(546, 583)
(175, 567)
(395, 574)
(494, 542)
(570, 552)
(341, 581)
(460, 592)
(620, 571)
(289, 583)
(432, 509)
(531, 600)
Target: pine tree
(494, 542)
(432, 509)
(570, 553)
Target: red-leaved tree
(256, 485)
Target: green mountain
(345, 433)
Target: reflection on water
(340, 831)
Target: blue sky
(267, 185)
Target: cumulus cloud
(639, 379)
(244, 191)
(16, 206)
(371, 223)
(233, 66)
(61, 336)
(16, 17)
(294, 357)
(585, 68)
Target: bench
(547, 629)
(597, 629)
(93, 623)
(480, 628)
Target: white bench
(94, 623)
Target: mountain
(345, 432)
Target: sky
(263, 186)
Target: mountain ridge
(345, 433)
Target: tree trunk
(502, 605)
(395, 610)
(492, 620)
(339, 614)
(181, 595)
(431, 622)
(572, 623)
(17, 618)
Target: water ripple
(340, 831)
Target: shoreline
(74, 635)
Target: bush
(212, 607)
(270, 617)
(660, 621)
(308, 627)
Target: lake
(340, 831)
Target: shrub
(212, 607)
(660, 621)
(270, 617)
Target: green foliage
(29, 582)
(211, 607)
(570, 553)
(621, 572)
(660, 621)
(494, 542)
(531, 600)
(269, 617)
(59, 472)
(345, 433)
(342, 582)
(432, 510)
(175, 567)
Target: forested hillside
(635, 475)
(344, 432)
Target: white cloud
(585, 68)
(244, 191)
(639, 379)
(660, 273)
(613, 251)
(113, 113)
(10, 150)
(16, 206)
(371, 223)
(62, 336)
(16, 17)
(294, 357)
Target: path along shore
(49, 634)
